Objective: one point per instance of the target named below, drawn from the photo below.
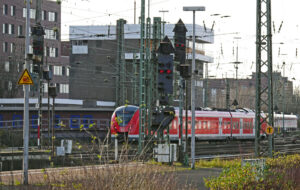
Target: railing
(60, 123)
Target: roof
(132, 31)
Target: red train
(209, 124)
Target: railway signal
(180, 49)
(165, 71)
(38, 47)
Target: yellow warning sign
(25, 78)
(269, 130)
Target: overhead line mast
(264, 92)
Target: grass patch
(282, 172)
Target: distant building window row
(60, 70)
(50, 34)
(12, 10)
(51, 51)
(61, 88)
(64, 88)
(52, 16)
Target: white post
(194, 9)
(193, 97)
(26, 100)
(116, 147)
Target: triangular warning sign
(25, 78)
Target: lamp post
(194, 9)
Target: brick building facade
(12, 47)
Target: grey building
(93, 60)
(12, 48)
(244, 91)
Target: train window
(208, 124)
(204, 124)
(199, 123)
(17, 120)
(74, 121)
(189, 124)
(87, 121)
(235, 125)
(124, 114)
(34, 121)
(1, 120)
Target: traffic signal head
(38, 40)
(165, 74)
(38, 47)
(180, 41)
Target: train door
(235, 126)
(247, 126)
(174, 128)
(226, 126)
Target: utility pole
(236, 63)
(194, 9)
(149, 78)
(163, 21)
(120, 62)
(205, 92)
(264, 93)
(40, 68)
(283, 97)
(26, 100)
(156, 39)
(142, 93)
(227, 94)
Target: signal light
(161, 71)
(169, 71)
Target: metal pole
(53, 124)
(49, 126)
(283, 98)
(142, 102)
(186, 116)
(116, 148)
(26, 100)
(193, 98)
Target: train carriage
(209, 124)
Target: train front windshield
(124, 114)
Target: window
(44, 15)
(13, 10)
(63, 71)
(32, 13)
(52, 52)
(12, 48)
(46, 87)
(64, 88)
(51, 16)
(5, 46)
(20, 30)
(57, 70)
(68, 71)
(11, 29)
(5, 28)
(5, 9)
(56, 52)
(6, 66)
(50, 34)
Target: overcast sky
(242, 20)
